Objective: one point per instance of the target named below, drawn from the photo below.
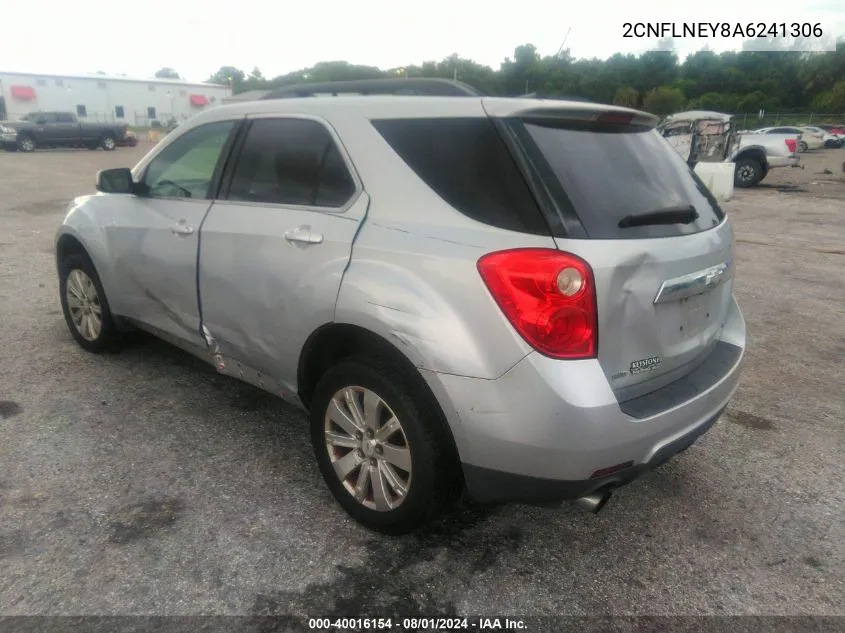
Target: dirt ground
(145, 483)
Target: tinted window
(291, 161)
(67, 117)
(185, 168)
(44, 117)
(607, 173)
(467, 164)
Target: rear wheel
(380, 445)
(748, 172)
(26, 143)
(107, 142)
(85, 306)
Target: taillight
(791, 144)
(548, 296)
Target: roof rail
(423, 86)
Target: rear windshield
(604, 174)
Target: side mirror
(117, 180)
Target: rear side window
(607, 173)
(291, 161)
(465, 162)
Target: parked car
(806, 140)
(58, 129)
(130, 139)
(829, 140)
(706, 136)
(476, 293)
(836, 130)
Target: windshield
(606, 174)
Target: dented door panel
(153, 244)
(263, 294)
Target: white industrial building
(103, 98)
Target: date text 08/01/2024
(415, 624)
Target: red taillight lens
(791, 143)
(548, 296)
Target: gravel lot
(145, 483)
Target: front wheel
(107, 142)
(802, 147)
(26, 143)
(381, 446)
(84, 305)
(747, 172)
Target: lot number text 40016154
(415, 624)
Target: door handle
(303, 235)
(181, 229)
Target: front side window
(293, 162)
(185, 168)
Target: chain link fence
(755, 121)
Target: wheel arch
(68, 244)
(757, 153)
(333, 342)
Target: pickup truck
(703, 136)
(58, 129)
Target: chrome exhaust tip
(594, 502)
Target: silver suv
(530, 300)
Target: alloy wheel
(368, 448)
(84, 305)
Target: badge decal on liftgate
(645, 364)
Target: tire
(76, 271)
(26, 143)
(418, 454)
(747, 172)
(107, 142)
(802, 146)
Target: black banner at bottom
(545, 624)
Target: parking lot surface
(145, 483)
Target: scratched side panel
(425, 295)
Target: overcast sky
(196, 38)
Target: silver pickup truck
(704, 136)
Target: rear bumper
(546, 429)
(494, 486)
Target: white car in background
(828, 139)
(806, 140)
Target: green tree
(167, 73)
(626, 96)
(229, 76)
(663, 100)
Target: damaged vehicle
(444, 282)
(704, 136)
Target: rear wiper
(667, 215)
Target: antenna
(563, 43)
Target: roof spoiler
(425, 86)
